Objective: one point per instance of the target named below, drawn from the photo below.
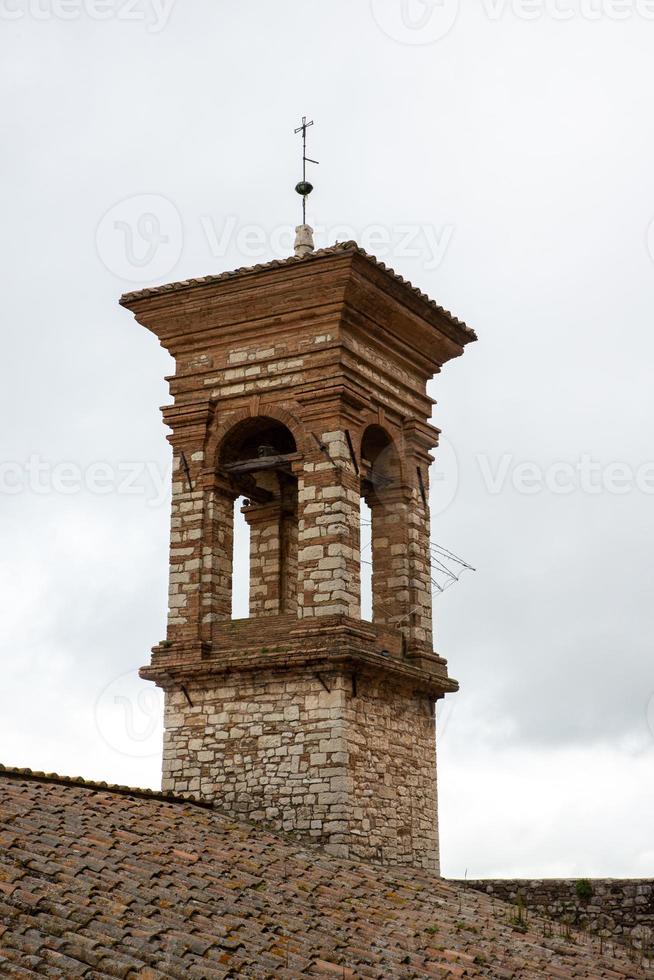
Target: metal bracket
(323, 682)
(321, 445)
(352, 453)
(421, 484)
(187, 471)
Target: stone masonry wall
(393, 765)
(352, 767)
(620, 910)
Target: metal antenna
(304, 188)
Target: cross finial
(304, 188)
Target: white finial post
(303, 241)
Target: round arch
(379, 455)
(275, 413)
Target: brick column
(288, 534)
(202, 527)
(265, 557)
(390, 559)
(401, 566)
(217, 555)
(328, 531)
(273, 553)
(419, 550)
(185, 556)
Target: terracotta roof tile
(341, 247)
(97, 882)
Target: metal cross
(304, 187)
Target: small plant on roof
(584, 890)
(519, 920)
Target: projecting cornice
(341, 276)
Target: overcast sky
(501, 157)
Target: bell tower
(300, 386)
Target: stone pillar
(265, 557)
(419, 554)
(200, 583)
(217, 555)
(185, 556)
(390, 559)
(288, 534)
(328, 532)
(401, 565)
(273, 553)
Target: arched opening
(257, 458)
(382, 561)
(379, 459)
(240, 563)
(256, 438)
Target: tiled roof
(129, 298)
(96, 883)
(89, 784)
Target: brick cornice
(185, 315)
(327, 644)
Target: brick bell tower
(301, 386)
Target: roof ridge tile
(12, 772)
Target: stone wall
(620, 910)
(393, 769)
(352, 766)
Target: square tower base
(348, 761)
